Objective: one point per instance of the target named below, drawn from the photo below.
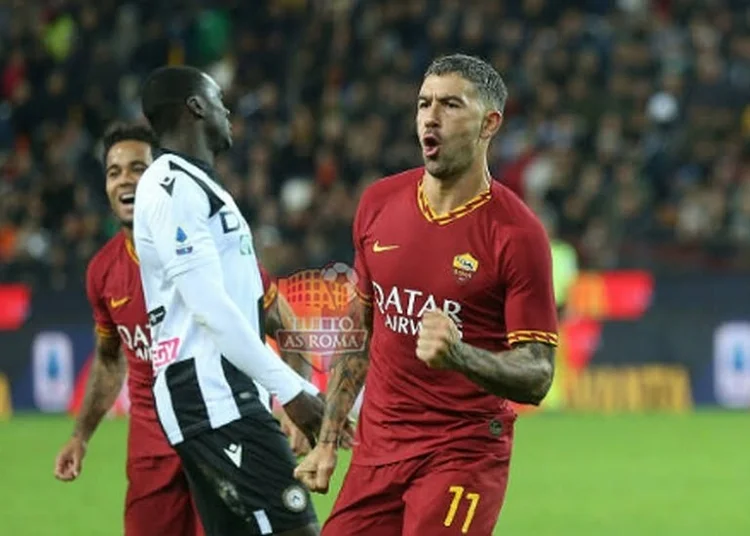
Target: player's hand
(306, 413)
(69, 461)
(346, 441)
(316, 469)
(435, 338)
(297, 440)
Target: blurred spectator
(627, 124)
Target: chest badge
(465, 266)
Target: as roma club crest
(464, 267)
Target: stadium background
(627, 130)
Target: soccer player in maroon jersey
(158, 501)
(455, 277)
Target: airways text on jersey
(402, 309)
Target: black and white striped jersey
(204, 295)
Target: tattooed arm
(280, 316)
(347, 378)
(105, 380)
(522, 374)
(345, 383)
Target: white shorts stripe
(165, 409)
(263, 523)
(264, 396)
(222, 409)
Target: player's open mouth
(127, 199)
(430, 145)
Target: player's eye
(422, 104)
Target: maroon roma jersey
(113, 286)
(487, 265)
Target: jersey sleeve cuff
(105, 331)
(288, 392)
(309, 388)
(530, 335)
(363, 296)
(270, 296)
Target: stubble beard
(445, 168)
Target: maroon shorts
(158, 501)
(448, 493)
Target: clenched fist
(317, 468)
(68, 463)
(437, 335)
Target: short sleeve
(103, 323)
(530, 311)
(174, 211)
(270, 290)
(363, 285)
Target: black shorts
(241, 478)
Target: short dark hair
(118, 132)
(165, 93)
(485, 78)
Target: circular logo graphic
(294, 498)
(337, 272)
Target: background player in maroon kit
(455, 274)
(158, 499)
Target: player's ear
(197, 106)
(493, 119)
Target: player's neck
(449, 193)
(194, 146)
(128, 232)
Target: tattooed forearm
(280, 316)
(105, 380)
(346, 380)
(523, 374)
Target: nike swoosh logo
(114, 304)
(377, 248)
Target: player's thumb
(61, 463)
(77, 464)
(302, 471)
(322, 480)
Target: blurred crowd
(627, 128)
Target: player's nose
(431, 118)
(431, 122)
(130, 178)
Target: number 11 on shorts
(458, 494)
